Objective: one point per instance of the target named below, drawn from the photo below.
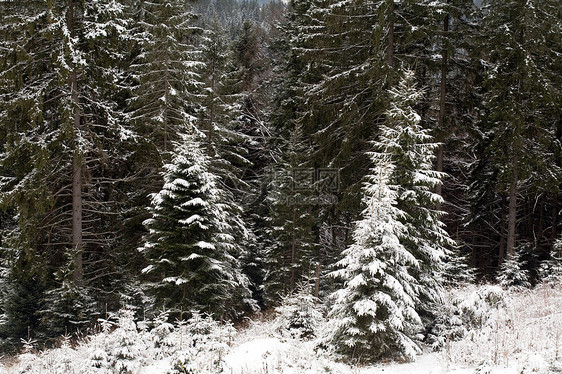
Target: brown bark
(77, 240)
(512, 213)
(390, 47)
(501, 254)
(442, 104)
(317, 281)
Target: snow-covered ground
(484, 330)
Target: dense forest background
(241, 134)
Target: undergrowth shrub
(464, 312)
(299, 315)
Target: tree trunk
(442, 102)
(554, 229)
(501, 254)
(539, 234)
(293, 252)
(166, 79)
(512, 214)
(317, 281)
(77, 241)
(390, 47)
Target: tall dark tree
(294, 255)
(518, 123)
(62, 125)
(168, 84)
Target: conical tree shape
(374, 314)
(413, 152)
(190, 246)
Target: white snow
(258, 354)
(516, 333)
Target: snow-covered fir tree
(551, 269)
(392, 273)
(126, 349)
(300, 314)
(190, 246)
(293, 253)
(512, 275)
(219, 117)
(165, 70)
(62, 140)
(374, 314)
(456, 268)
(413, 151)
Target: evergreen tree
(413, 153)
(168, 84)
(393, 272)
(190, 247)
(518, 128)
(512, 275)
(551, 269)
(294, 252)
(220, 114)
(61, 140)
(374, 314)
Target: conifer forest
(218, 156)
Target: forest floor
(485, 330)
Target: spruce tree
(165, 96)
(374, 314)
(294, 252)
(219, 112)
(61, 136)
(413, 153)
(190, 247)
(512, 275)
(392, 273)
(517, 126)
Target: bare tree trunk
(211, 130)
(554, 229)
(390, 47)
(77, 241)
(317, 281)
(166, 78)
(501, 254)
(293, 252)
(442, 104)
(512, 214)
(539, 236)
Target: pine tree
(220, 115)
(190, 247)
(300, 314)
(343, 48)
(374, 314)
(551, 269)
(512, 275)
